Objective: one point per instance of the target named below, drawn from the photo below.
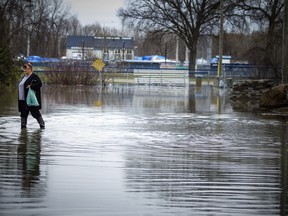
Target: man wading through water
(29, 80)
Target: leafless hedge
(75, 73)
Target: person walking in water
(29, 80)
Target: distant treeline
(252, 29)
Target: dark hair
(28, 64)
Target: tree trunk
(192, 46)
(285, 44)
(268, 59)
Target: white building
(106, 48)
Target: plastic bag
(31, 99)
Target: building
(106, 48)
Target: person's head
(27, 67)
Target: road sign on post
(99, 65)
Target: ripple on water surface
(92, 161)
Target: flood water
(140, 150)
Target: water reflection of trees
(57, 95)
(161, 98)
(84, 95)
(284, 170)
(156, 99)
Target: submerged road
(129, 150)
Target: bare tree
(34, 26)
(98, 30)
(267, 17)
(159, 43)
(50, 25)
(14, 22)
(188, 19)
(74, 26)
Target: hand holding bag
(31, 99)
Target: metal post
(221, 33)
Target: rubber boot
(23, 122)
(41, 122)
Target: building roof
(79, 41)
(100, 42)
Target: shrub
(74, 73)
(8, 68)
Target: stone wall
(275, 97)
(250, 89)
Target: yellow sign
(98, 64)
(98, 103)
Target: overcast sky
(92, 11)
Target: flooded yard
(141, 150)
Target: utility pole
(83, 50)
(221, 33)
(285, 45)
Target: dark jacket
(36, 84)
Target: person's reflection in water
(28, 154)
